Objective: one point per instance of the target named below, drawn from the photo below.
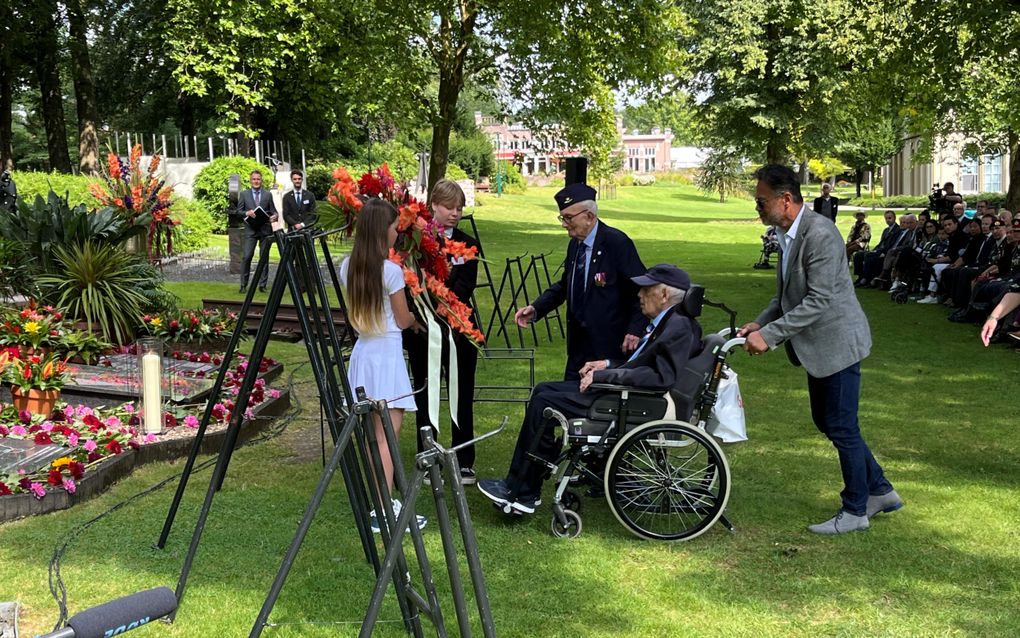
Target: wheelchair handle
(732, 343)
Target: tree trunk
(48, 77)
(1013, 195)
(858, 178)
(804, 173)
(451, 81)
(6, 96)
(84, 91)
(775, 151)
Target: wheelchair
(664, 477)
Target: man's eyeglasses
(759, 202)
(569, 218)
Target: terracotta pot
(28, 351)
(35, 401)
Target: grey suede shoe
(889, 502)
(841, 523)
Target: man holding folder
(256, 208)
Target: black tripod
(356, 453)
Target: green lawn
(939, 411)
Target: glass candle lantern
(152, 368)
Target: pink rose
(150, 438)
(90, 446)
(69, 485)
(19, 430)
(191, 421)
(72, 439)
(274, 393)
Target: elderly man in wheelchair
(626, 427)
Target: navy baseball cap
(574, 193)
(664, 274)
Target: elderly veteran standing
(603, 316)
(815, 314)
(671, 338)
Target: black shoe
(263, 289)
(242, 290)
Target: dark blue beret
(574, 193)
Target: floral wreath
(421, 249)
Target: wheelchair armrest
(610, 387)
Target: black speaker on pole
(577, 170)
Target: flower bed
(95, 438)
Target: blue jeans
(834, 410)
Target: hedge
(75, 187)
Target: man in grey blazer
(816, 316)
(247, 202)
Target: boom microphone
(118, 616)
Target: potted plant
(35, 380)
(33, 329)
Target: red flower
(43, 438)
(4, 490)
(91, 420)
(114, 447)
(77, 469)
(54, 477)
(170, 420)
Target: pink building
(647, 153)
(539, 152)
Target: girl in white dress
(377, 309)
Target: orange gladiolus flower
(461, 250)
(113, 163)
(412, 282)
(119, 202)
(136, 156)
(154, 164)
(98, 192)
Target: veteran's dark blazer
(610, 300)
(676, 339)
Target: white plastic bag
(726, 422)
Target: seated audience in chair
(860, 235)
(868, 263)
(670, 340)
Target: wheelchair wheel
(571, 501)
(667, 480)
(571, 530)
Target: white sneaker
(930, 299)
(420, 520)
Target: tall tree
(7, 77)
(963, 69)
(768, 73)
(84, 90)
(43, 23)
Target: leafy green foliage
(455, 172)
(473, 153)
(674, 111)
(827, 167)
(16, 270)
(74, 188)
(45, 224)
(211, 183)
(196, 226)
(100, 285)
(81, 344)
(723, 173)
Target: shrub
(644, 179)
(16, 270)
(684, 177)
(318, 179)
(196, 225)
(722, 172)
(473, 153)
(402, 160)
(44, 224)
(211, 183)
(74, 188)
(101, 285)
(624, 179)
(513, 181)
(456, 173)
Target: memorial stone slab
(22, 454)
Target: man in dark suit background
(447, 201)
(298, 204)
(815, 315)
(603, 318)
(827, 205)
(247, 202)
(671, 338)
